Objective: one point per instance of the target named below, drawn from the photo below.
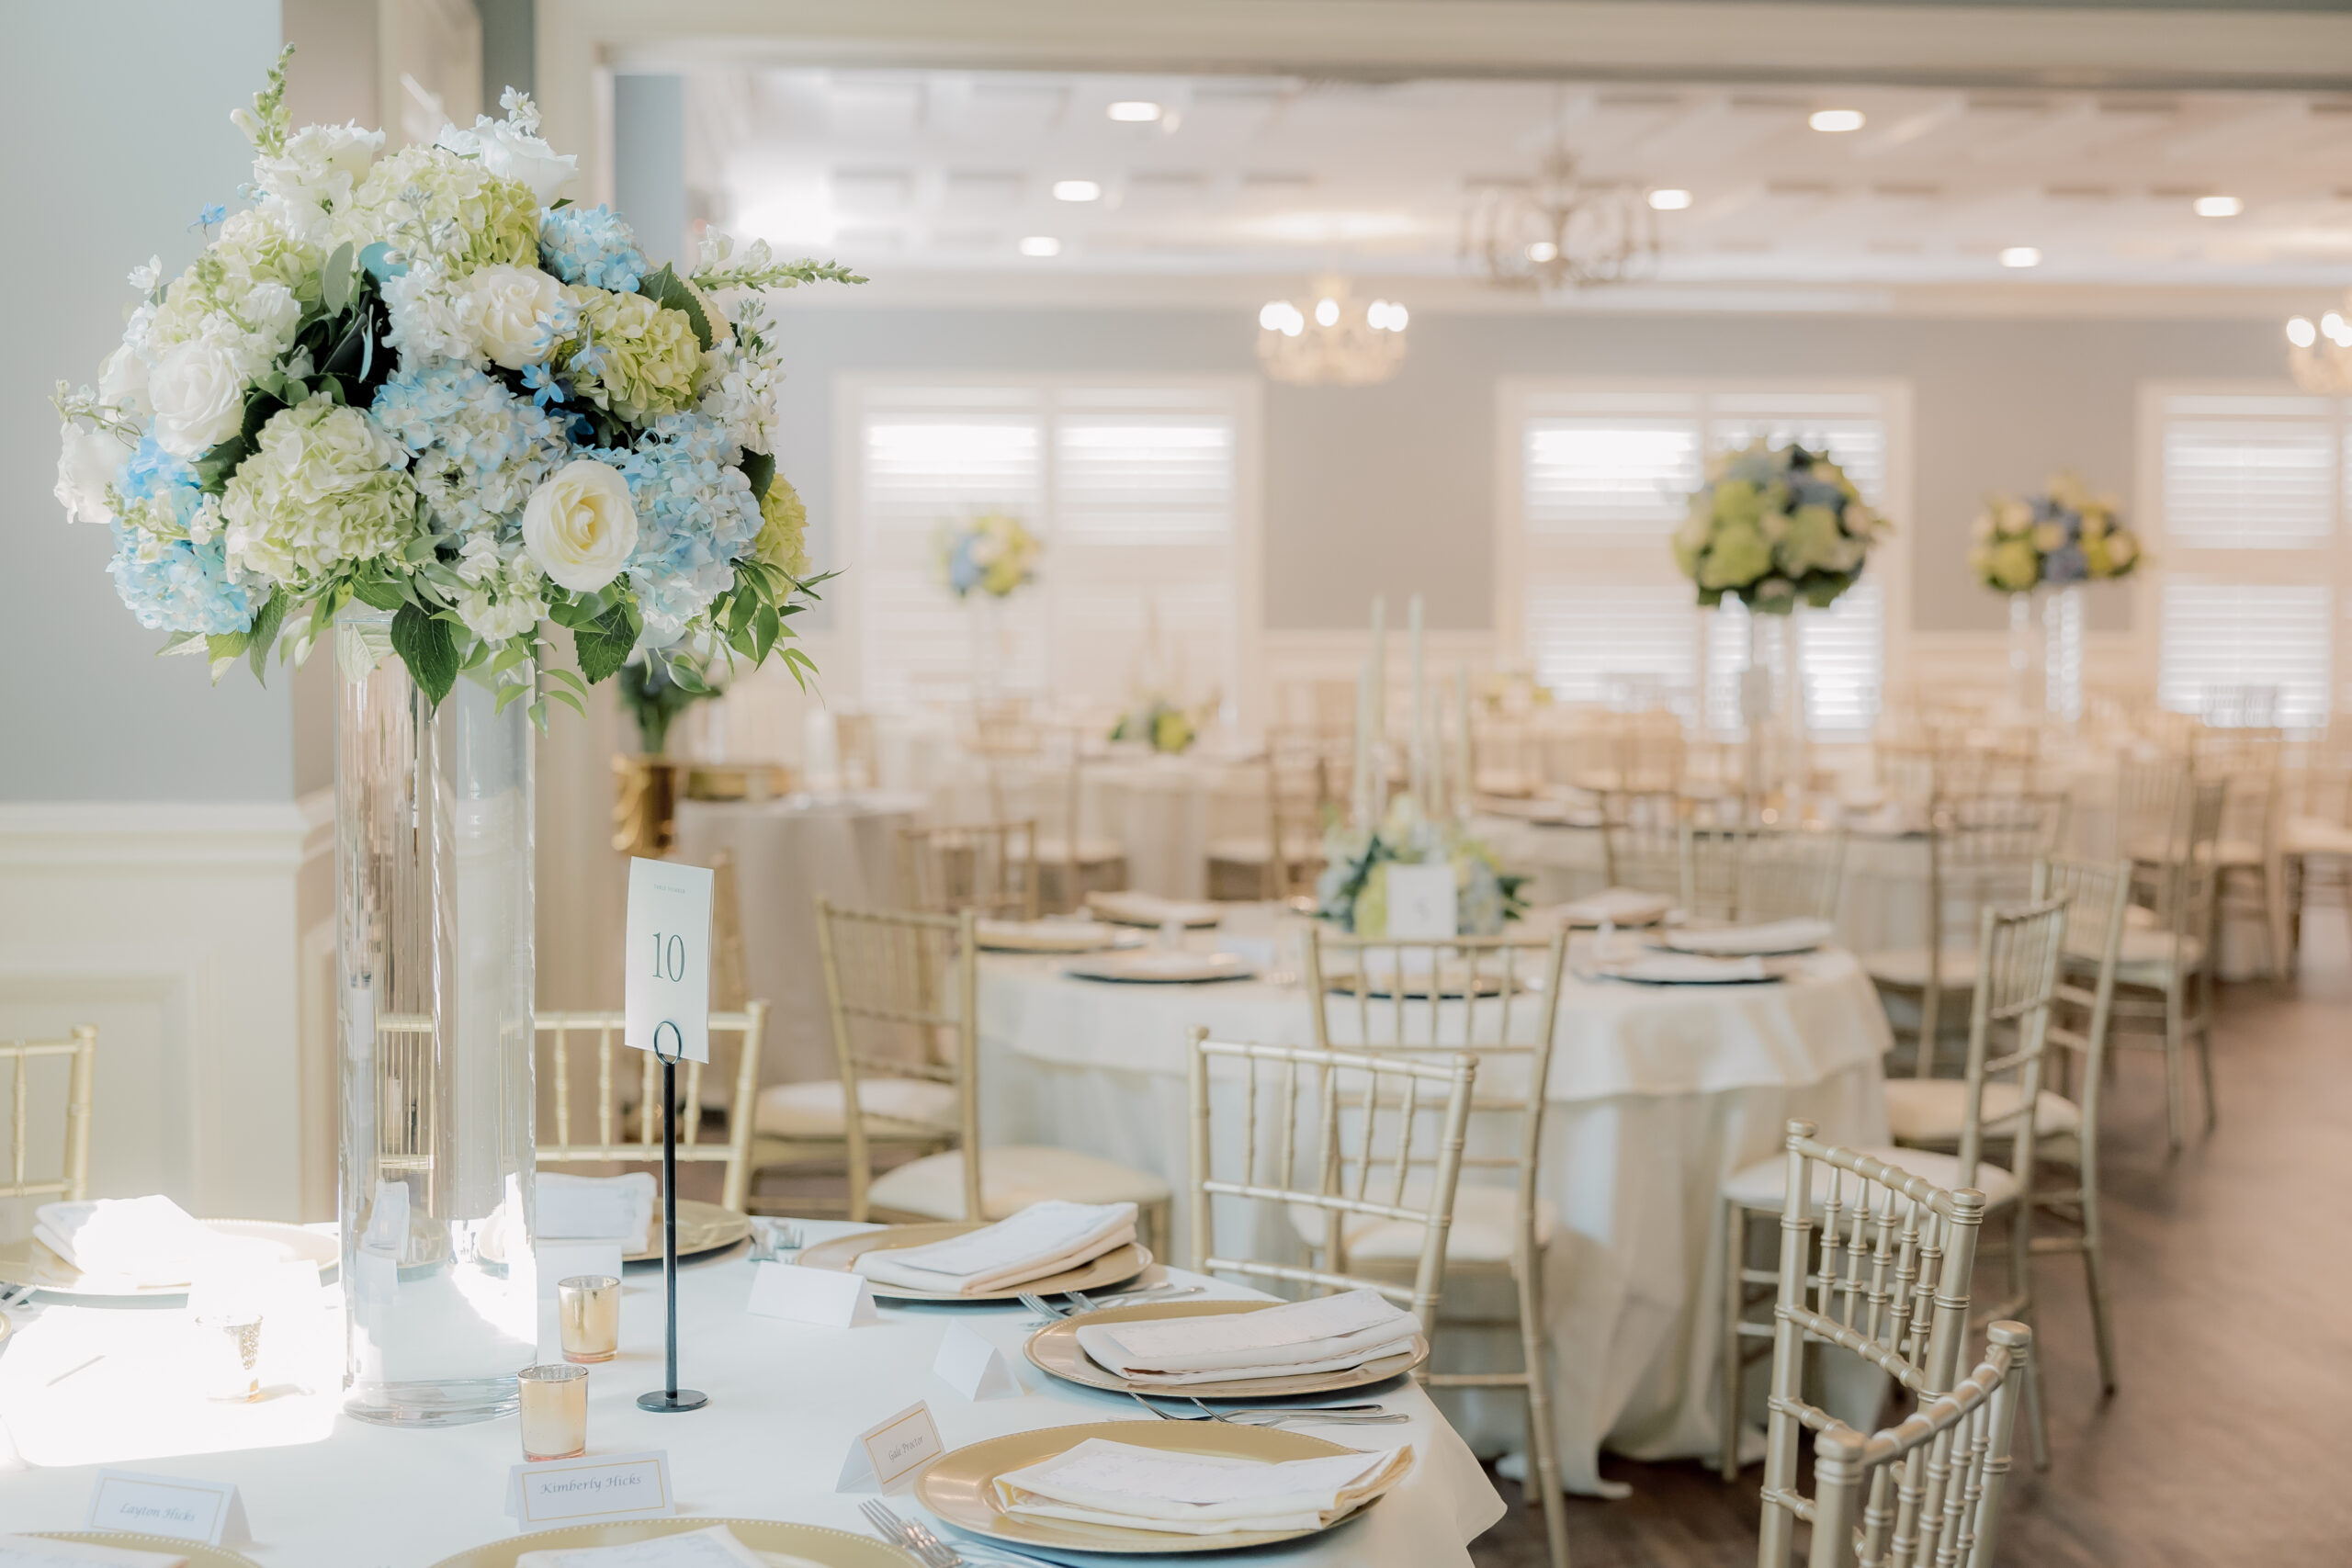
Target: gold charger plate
(960, 1487)
(702, 1228)
(27, 1262)
(198, 1555)
(802, 1546)
(1114, 1267)
(1055, 1349)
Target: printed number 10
(669, 957)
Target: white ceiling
(942, 174)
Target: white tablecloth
(1656, 1096)
(788, 852)
(786, 1399)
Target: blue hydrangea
(185, 588)
(695, 516)
(588, 244)
(158, 488)
(2066, 565)
(479, 450)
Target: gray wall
(107, 152)
(1390, 488)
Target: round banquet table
(1657, 1095)
(786, 1400)
(788, 852)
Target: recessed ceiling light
(1041, 245)
(1836, 119)
(1542, 251)
(1134, 111)
(1076, 190)
(2218, 206)
(1670, 200)
(2021, 256)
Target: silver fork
(1278, 1416)
(932, 1551)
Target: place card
(829, 1298)
(886, 1456)
(606, 1486)
(561, 1260)
(666, 967)
(1420, 902)
(208, 1511)
(975, 1368)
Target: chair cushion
(1011, 1180)
(2317, 836)
(898, 1107)
(1482, 1224)
(2238, 852)
(1930, 1110)
(1090, 851)
(1759, 1186)
(1908, 967)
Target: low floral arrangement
(1773, 524)
(993, 554)
(424, 383)
(1161, 722)
(2064, 536)
(656, 700)
(1352, 891)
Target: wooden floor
(2230, 1439)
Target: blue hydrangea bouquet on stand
(1352, 891)
(2048, 546)
(418, 402)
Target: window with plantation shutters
(1139, 495)
(1598, 476)
(2247, 539)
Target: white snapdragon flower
(88, 458)
(511, 152)
(314, 173)
(738, 391)
(513, 315)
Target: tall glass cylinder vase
(2028, 681)
(434, 887)
(2061, 655)
(1771, 711)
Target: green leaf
(604, 644)
(266, 621)
(428, 650)
(559, 694)
(666, 289)
(507, 694)
(376, 593)
(335, 282)
(557, 673)
(760, 468)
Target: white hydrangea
(307, 181)
(506, 596)
(738, 383)
(425, 322)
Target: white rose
(511, 154)
(505, 311)
(87, 461)
(579, 525)
(199, 392)
(122, 379)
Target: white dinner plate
(1692, 969)
(1145, 909)
(1776, 939)
(1618, 906)
(1054, 936)
(1163, 966)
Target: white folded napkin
(1046, 936)
(1102, 1482)
(714, 1548)
(1327, 1334)
(28, 1551)
(597, 1208)
(1687, 969)
(1738, 941)
(1618, 906)
(1149, 909)
(138, 1242)
(1042, 1239)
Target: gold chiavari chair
(1929, 1489)
(2165, 977)
(1286, 858)
(1641, 841)
(1791, 873)
(614, 1141)
(1336, 1137)
(1889, 1279)
(1048, 786)
(902, 991)
(1498, 998)
(79, 1052)
(2316, 854)
(1980, 850)
(2249, 855)
(990, 867)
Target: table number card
(607, 1486)
(885, 1457)
(975, 1368)
(829, 1298)
(666, 967)
(1420, 902)
(208, 1511)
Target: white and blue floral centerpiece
(423, 382)
(1774, 526)
(1352, 891)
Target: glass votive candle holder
(588, 1310)
(555, 1410)
(228, 1351)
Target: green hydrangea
(1814, 542)
(2014, 565)
(784, 529)
(1738, 556)
(427, 201)
(325, 489)
(633, 357)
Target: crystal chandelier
(1330, 339)
(2321, 354)
(1560, 231)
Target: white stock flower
(270, 312)
(88, 458)
(509, 152)
(315, 173)
(198, 388)
(579, 524)
(424, 324)
(511, 314)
